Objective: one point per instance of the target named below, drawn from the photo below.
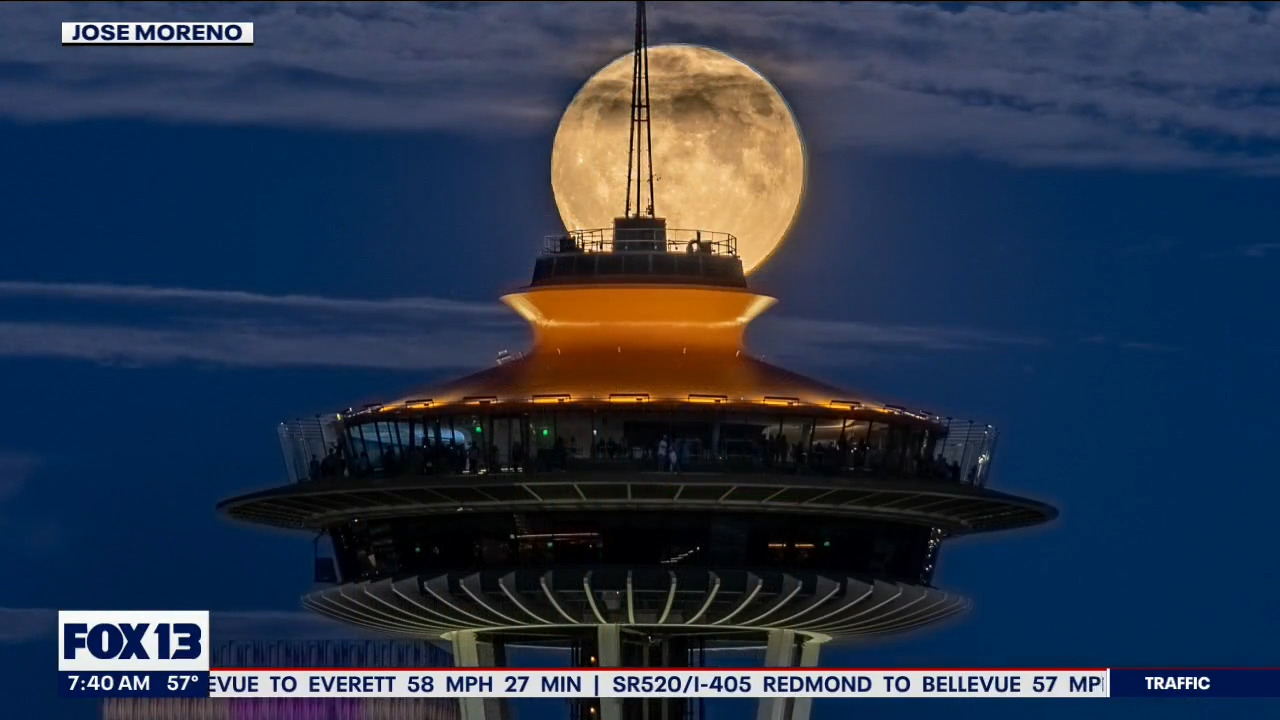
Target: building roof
(664, 342)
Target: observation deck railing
(963, 455)
(450, 462)
(673, 240)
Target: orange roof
(661, 374)
(668, 342)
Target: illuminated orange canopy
(668, 342)
(651, 317)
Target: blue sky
(1057, 219)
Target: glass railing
(584, 442)
(644, 239)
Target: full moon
(727, 153)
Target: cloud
(254, 330)
(1154, 86)
(1147, 346)
(837, 342)
(15, 470)
(19, 625)
(1142, 346)
(1253, 251)
(28, 529)
(24, 624)
(251, 344)
(1256, 250)
(232, 298)
(227, 327)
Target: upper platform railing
(474, 443)
(672, 240)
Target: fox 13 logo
(134, 640)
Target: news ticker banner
(157, 654)
(675, 682)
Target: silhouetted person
(338, 454)
(456, 458)
(558, 452)
(315, 468)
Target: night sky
(1059, 220)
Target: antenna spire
(640, 152)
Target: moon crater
(727, 152)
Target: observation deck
(539, 519)
(643, 254)
(554, 454)
(637, 469)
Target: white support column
(780, 651)
(801, 706)
(609, 651)
(468, 652)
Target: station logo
(133, 640)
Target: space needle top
(640, 229)
(597, 254)
(640, 151)
(636, 476)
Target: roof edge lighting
(419, 403)
(781, 401)
(845, 404)
(714, 399)
(552, 398)
(480, 399)
(628, 397)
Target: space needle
(636, 488)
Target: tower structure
(637, 488)
(639, 228)
(640, 151)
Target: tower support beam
(783, 650)
(609, 651)
(801, 706)
(470, 652)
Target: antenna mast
(640, 151)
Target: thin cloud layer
(840, 343)
(166, 325)
(29, 529)
(149, 294)
(15, 470)
(1136, 345)
(1253, 251)
(1155, 86)
(255, 330)
(250, 344)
